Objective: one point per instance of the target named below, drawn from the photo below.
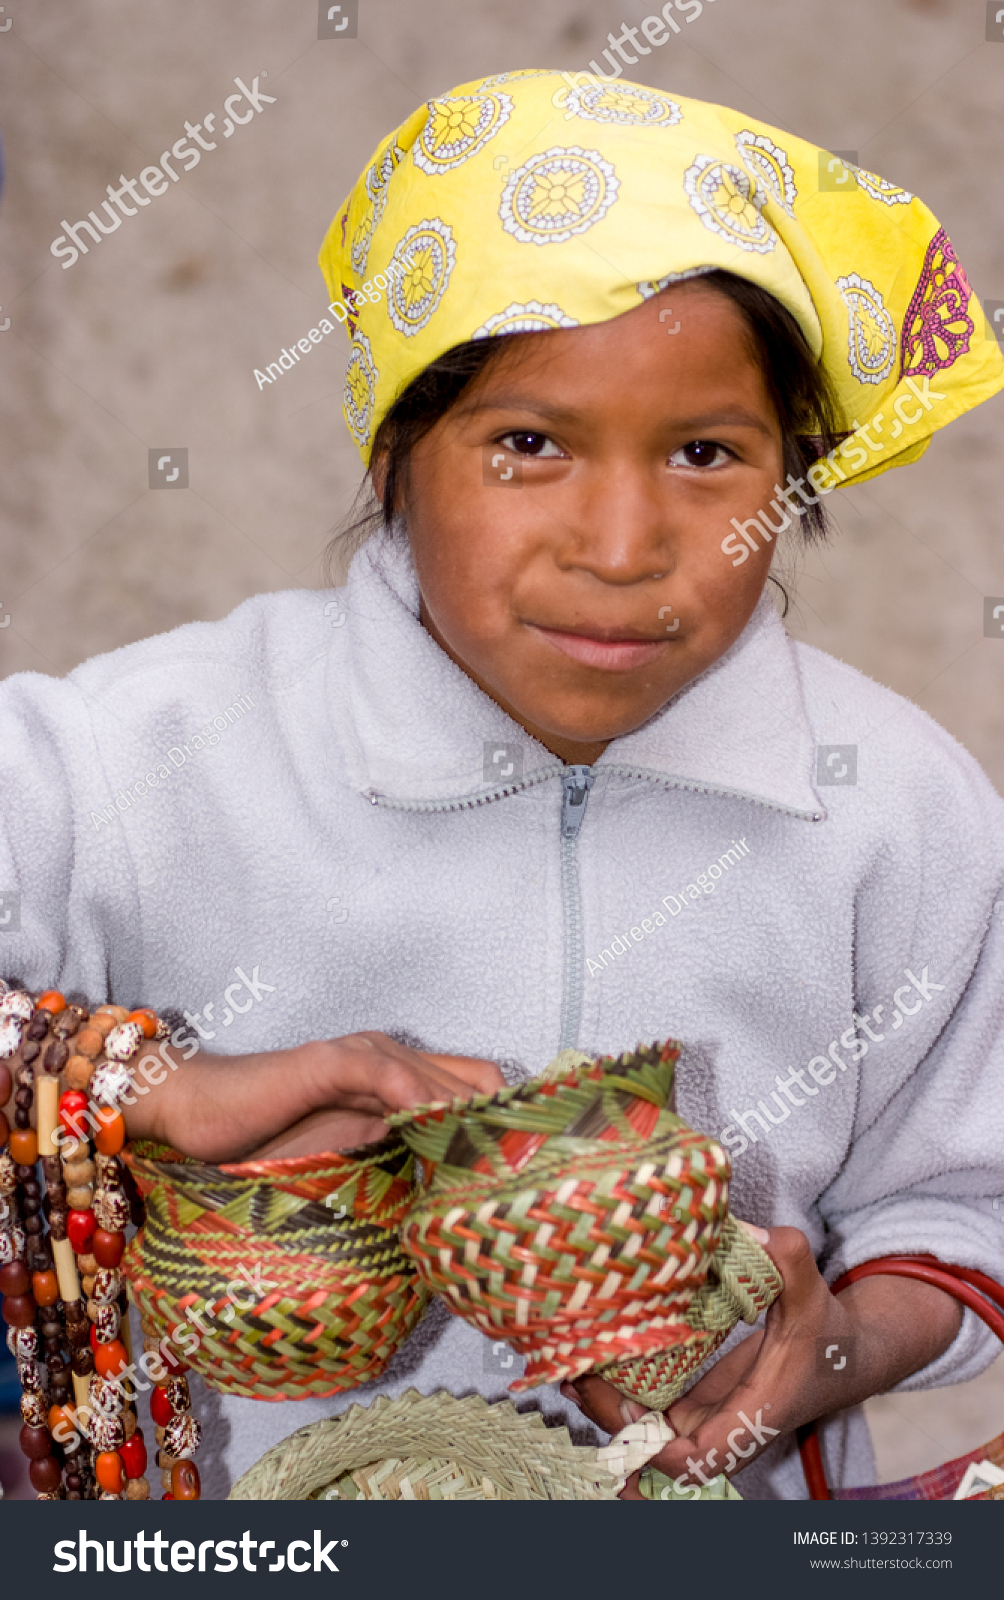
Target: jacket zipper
(576, 783)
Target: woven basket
(436, 1447)
(579, 1219)
(339, 1294)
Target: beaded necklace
(64, 1299)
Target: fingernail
(760, 1234)
(631, 1411)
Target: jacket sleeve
(925, 1171)
(67, 883)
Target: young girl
(548, 772)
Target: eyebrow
(731, 417)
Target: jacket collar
(415, 727)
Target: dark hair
(799, 389)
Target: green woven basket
(438, 1447)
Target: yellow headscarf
(535, 200)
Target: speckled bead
(13, 1241)
(8, 1173)
(107, 1321)
(123, 1041)
(182, 1436)
(178, 1394)
(10, 1037)
(110, 1082)
(16, 1003)
(107, 1286)
(104, 1432)
(34, 1410)
(111, 1208)
(107, 1397)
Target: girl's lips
(616, 655)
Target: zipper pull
(576, 784)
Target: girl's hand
(370, 1077)
(817, 1353)
(327, 1095)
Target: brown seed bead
(86, 1265)
(158, 1434)
(73, 1482)
(117, 1013)
(57, 1222)
(83, 1361)
(35, 1442)
(90, 1041)
(24, 1099)
(165, 1479)
(38, 1027)
(79, 1072)
(129, 1423)
(67, 1023)
(138, 1489)
(78, 1173)
(79, 1199)
(56, 1056)
(46, 1475)
(30, 1052)
(14, 1278)
(19, 1310)
(87, 1285)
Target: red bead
(185, 1481)
(19, 1310)
(167, 1497)
(46, 1475)
(171, 1362)
(161, 1409)
(35, 1442)
(107, 1248)
(81, 1228)
(71, 1104)
(93, 1337)
(14, 1278)
(133, 1454)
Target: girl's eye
(701, 453)
(530, 444)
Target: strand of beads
(178, 1432)
(70, 1283)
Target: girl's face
(590, 586)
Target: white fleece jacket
(320, 851)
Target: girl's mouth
(615, 653)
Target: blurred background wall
(150, 341)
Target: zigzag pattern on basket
(581, 1220)
(436, 1446)
(340, 1294)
